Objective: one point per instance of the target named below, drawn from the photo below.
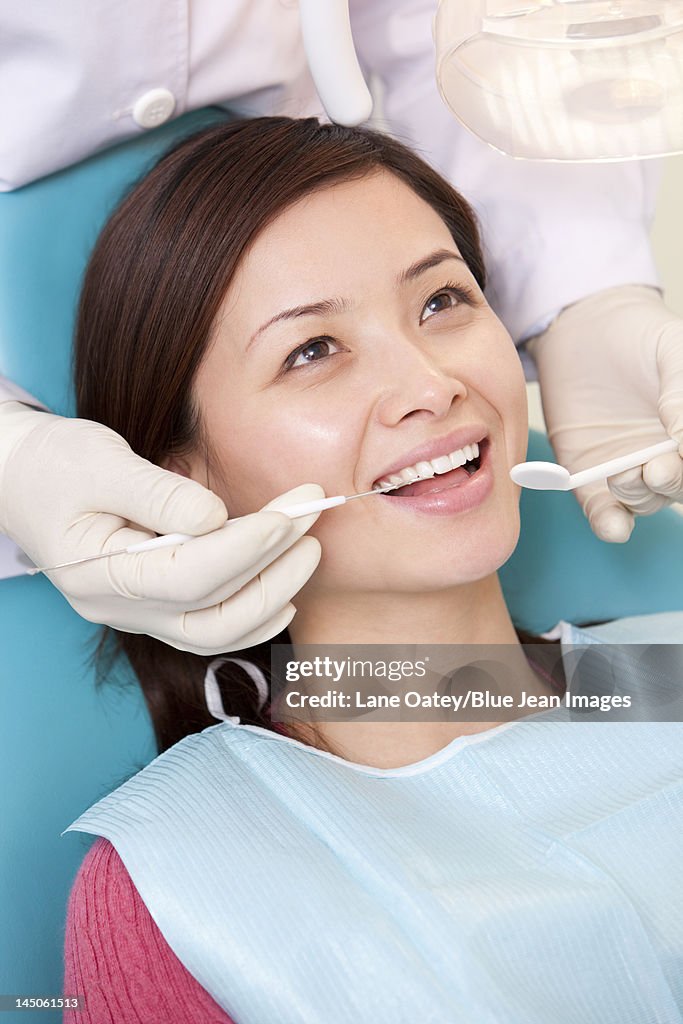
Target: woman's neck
(471, 614)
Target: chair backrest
(65, 743)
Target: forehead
(375, 225)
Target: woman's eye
(447, 298)
(312, 352)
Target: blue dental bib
(529, 874)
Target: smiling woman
(281, 302)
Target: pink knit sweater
(117, 959)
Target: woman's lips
(448, 493)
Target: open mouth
(437, 477)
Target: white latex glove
(611, 374)
(70, 488)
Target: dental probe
(303, 508)
(547, 476)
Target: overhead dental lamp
(574, 80)
(563, 80)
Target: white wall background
(667, 233)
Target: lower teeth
(469, 467)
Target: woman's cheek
(248, 481)
(505, 391)
(257, 455)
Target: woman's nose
(413, 381)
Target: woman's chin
(447, 551)
(434, 561)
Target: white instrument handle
(166, 541)
(304, 508)
(331, 55)
(621, 464)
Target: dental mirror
(548, 476)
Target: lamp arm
(331, 55)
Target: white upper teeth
(425, 470)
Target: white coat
(73, 73)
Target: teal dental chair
(65, 743)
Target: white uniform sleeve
(10, 392)
(552, 233)
(78, 76)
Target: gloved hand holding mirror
(611, 374)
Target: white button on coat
(153, 108)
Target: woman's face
(380, 362)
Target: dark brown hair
(152, 289)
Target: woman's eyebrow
(332, 307)
(426, 263)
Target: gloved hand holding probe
(611, 374)
(70, 488)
